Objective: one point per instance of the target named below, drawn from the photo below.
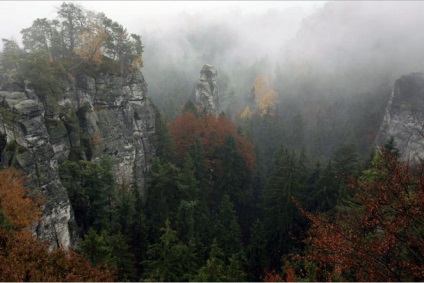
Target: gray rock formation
(108, 115)
(30, 150)
(404, 117)
(207, 96)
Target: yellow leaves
(266, 98)
(268, 103)
(261, 86)
(136, 63)
(19, 210)
(92, 40)
(246, 113)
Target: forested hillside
(263, 169)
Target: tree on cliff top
(81, 34)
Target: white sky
(136, 16)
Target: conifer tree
(256, 251)
(169, 259)
(281, 217)
(227, 231)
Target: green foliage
(112, 250)
(163, 195)
(282, 219)
(235, 175)
(11, 58)
(256, 251)
(216, 270)
(91, 189)
(96, 247)
(4, 223)
(190, 107)
(169, 259)
(227, 229)
(162, 139)
(390, 147)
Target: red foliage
(213, 132)
(378, 239)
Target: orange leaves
(23, 258)
(92, 38)
(272, 276)
(20, 210)
(212, 132)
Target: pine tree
(227, 230)
(281, 217)
(169, 259)
(214, 270)
(256, 251)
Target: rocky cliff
(404, 117)
(107, 115)
(207, 95)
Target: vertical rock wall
(109, 115)
(29, 149)
(404, 117)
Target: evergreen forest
(284, 184)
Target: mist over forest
(213, 144)
(344, 50)
(347, 43)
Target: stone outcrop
(207, 95)
(108, 115)
(404, 117)
(30, 150)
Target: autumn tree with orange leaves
(213, 133)
(24, 258)
(19, 210)
(378, 237)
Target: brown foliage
(213, 132)
(378, 239)
(23, 258)
(20, 210)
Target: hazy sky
(137, 16)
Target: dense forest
(285, 183)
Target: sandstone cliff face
(108, 115)
(30, 150)
(207, 96)
(404, 117)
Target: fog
(305, 48)
(334, 48)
